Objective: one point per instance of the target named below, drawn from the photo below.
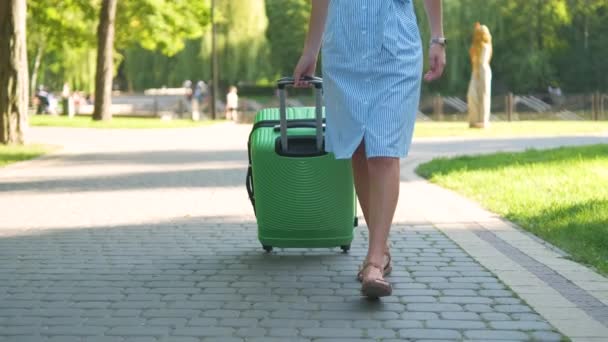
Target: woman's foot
(387, 267)
(373, 283)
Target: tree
(13, 72)
(162, 25)
(105, 61)
(61, 42)
(288, 25)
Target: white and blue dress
(372, 70)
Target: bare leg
(360, 174)
(383, 189)
(360, 166)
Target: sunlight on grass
(11, 154)
(560, 195)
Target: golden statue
(480, 87)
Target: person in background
(232, 103)
(43, 100)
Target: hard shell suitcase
(302, 196)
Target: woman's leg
(383, 193)
(360, 174)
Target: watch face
(440, 41)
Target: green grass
(560, 195)
(504, 129)
(13, 153)
(116, 122)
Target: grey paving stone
(527, 317)
(289, 323)
(336, 323)
(512, 308)
(465, 300)
(251, 332)
(403, 324)
(546, 336)
(239, 322)
(495, 316)
(140, 339)
(237, 306)
(203, 331)
(255, 313)
(226, 339)
(416, 299)
(459, 315)
(170, 322)
(455, 324)
(222, 313)
(507, 300)
(496, 335)
(495, 293)
(137, 331)
(24, 338)
(203, 322)
(459, 293)
(433, 307)
(381, 333)
(415, 292)
(283, 332)
(179, 339)
(444, 334)
(99, 339)
(364, 324)
(479, 308)
(19, 330)
(520, 325)
(331, 332)
(419, 315)
(64, 339)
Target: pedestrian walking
(372, 71)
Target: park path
(148, 235)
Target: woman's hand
(306, 67)
(436, 62)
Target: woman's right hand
(306, 67)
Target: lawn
(116, 122)
(504, 129)
(560, 195)
(12, 154)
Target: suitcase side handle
(318, 84)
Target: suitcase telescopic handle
(317, 82)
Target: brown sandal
(375, 288)
(386, 271)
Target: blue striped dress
(372, 70)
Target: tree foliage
(288, 25)
(241, 43)
(536, 43)
(162, 42)
(63, 32)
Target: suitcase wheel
(345, 248)
(268, 249)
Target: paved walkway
(149, 236)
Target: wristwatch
(440, 41)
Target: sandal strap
(367, 264)
(390, 259)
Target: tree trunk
(105, 67)
(13, 72)
(37, 60)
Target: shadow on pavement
(178, 179)
(202, 276)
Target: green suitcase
(302, 196)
